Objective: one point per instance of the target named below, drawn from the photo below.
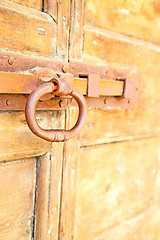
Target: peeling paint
(125, 11)
(94, 42)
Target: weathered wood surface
(26, 30)
(143, 119)
(63, 28)
(37, 4)
(139, 19)
(47, 209)
(17, 190)
(118, 189)
(76, 28)
(17, 141)
(143, 227)
(114, 188)
(69, 181)
(50, 7)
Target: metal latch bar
(106, 87)
(18, 83)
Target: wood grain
(26, 30)
(48, 192)
(143, 119)
(42, 201)
(117, 188)
(37, 4)
(76, 28)
(63, 21)
(17, 141)
(143, 227)
(69, 181)
(49, 170)
(139, 19)
(50, 6)
(17, 189)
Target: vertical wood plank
(55, 190)
(69, 177)
(50, 6)
(48, 192)
(41, 204)
(76, 32)
(63, 20)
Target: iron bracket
(101, 85)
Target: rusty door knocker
(58, 87)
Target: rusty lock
(58, 87)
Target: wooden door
(116, 160)
(30, 168)
(104, 183)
